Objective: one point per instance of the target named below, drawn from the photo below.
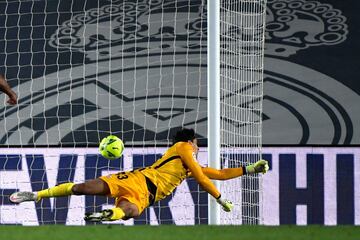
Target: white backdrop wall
(304, 186)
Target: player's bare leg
(91, 187)
(124, 210)
(130, 209)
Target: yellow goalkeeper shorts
(130, 186)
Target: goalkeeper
(138, 189)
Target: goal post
(235, 90)
(213, 100)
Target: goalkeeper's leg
(91, 187)
(124, 210)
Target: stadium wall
(305, 185)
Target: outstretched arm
(189, 160)
(223, 174)
(186, 152)
(260, 166)
(4, 87)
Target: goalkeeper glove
(260, 166)
(226, 204)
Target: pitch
(202, 232)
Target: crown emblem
(293, 25)
(128, 28)
(125, 28)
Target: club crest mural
(139, 71)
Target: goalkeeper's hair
(184, 135)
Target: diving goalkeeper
(138, 189)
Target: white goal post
(213, 69)
(236, 39)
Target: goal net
(136, 69)
(242, 26)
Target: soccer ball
(111, 147)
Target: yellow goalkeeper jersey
(173, 167)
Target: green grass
(117, 232)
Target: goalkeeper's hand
(226, 204)
(260, 166)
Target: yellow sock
(57, 191)
(118, 213)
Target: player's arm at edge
(4, 87)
